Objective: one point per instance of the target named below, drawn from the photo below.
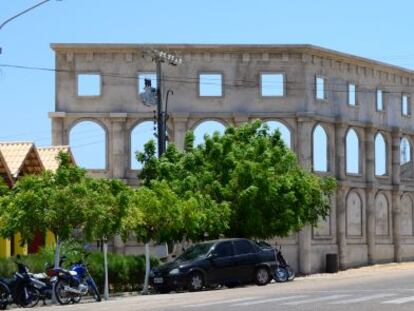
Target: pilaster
(304, 140)
(370, 191)
(117, 142)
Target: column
(180, 129)
(341, 226)
(240, 120)
(117, 141)
(396, 195)
(5, 248)
(18, 248)
(58, 128)
(340, 131)
(370, 191)
(305, 159)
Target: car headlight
(175, 271)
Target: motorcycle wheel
(280, 274)
(62, 296)
(4, 296)
(291, 274)
(95, 293)
(31, 299)
(76, 298)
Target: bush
(126, 272)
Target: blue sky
(380, 30)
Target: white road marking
(400, 300)
(267, 300)
(361, 299)
(219, 302)
(312, 300)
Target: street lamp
(21, 13)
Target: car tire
(262, 276)
(195, 282)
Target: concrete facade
(372, 215)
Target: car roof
(225, 240)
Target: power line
(240, 83)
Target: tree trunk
(147, 269)
(56, 264)
(105, 252)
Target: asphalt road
(388, 287)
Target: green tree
(108, 201)
(158, 214)
(50, 201)
(4, 189)
(248, 169)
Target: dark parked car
(223, 262)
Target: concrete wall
(372, 216)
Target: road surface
(386, 287)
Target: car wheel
(262, 276)
(195, 282)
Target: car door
(245, 259)
(221, 263)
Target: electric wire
(239, 83)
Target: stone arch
(283, 127)
(381, 155)
(139, 134)
(382, 223)
(352, 154)
(320, 149)
(89, 144)
(354, 214)
(207, 126)
(407, 215)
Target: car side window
(224, 249)
(242, 247)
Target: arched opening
(283, 129)
(88, 144)
(405, 151)
(354, 214)
(352, 152)
(320, 149)
(406, 204)
(207, 128)
(140, 135)
(380, 155)
(381, 215)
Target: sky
(380, 30)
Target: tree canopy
(60, 202)
(248, 170)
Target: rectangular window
(320, 88)
(89, 84)
(272, 84)
(352, 94)
(405, 105)
(211, 84)
(142, 76)
(380, 101)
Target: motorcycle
(72, 284)
(283, 271)
(22, 289)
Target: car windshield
(195, 251)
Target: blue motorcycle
(72, 284)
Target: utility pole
(160, 57)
